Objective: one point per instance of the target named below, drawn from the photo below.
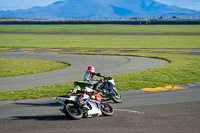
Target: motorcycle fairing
(96, 108)
(62, 99)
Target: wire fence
(132, 21)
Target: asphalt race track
(141, 112)
(79, 63)
(163, 112)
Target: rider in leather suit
(88, 77)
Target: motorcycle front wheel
(106, 109)
(117, 96)
(73, 112)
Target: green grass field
(182, 69)
(16, 67)
(97, 42)
(87, 28)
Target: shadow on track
(39, 104)
(42, 118)
(59, 117)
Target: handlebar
(107, 78)
(104, 76)
(100, 75)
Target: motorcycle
(108, 90)
(81, 105)
(106, 87)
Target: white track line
(130, 111)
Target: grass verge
(97, 42)
(16, 67)
(182, 69)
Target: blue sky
(25, 4)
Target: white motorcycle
(81, 104)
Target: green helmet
(76, 87)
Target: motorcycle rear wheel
(106, 109)
(73, 112)
(117, 96)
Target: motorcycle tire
(117, 96)
(106, 109)
(73, 112)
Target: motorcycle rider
(89, 74)
(88, 77)
(95, 95)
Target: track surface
(173, 111)
(104, 64)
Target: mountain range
(101, 9)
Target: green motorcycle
(106, 88)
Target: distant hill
(100, 9)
